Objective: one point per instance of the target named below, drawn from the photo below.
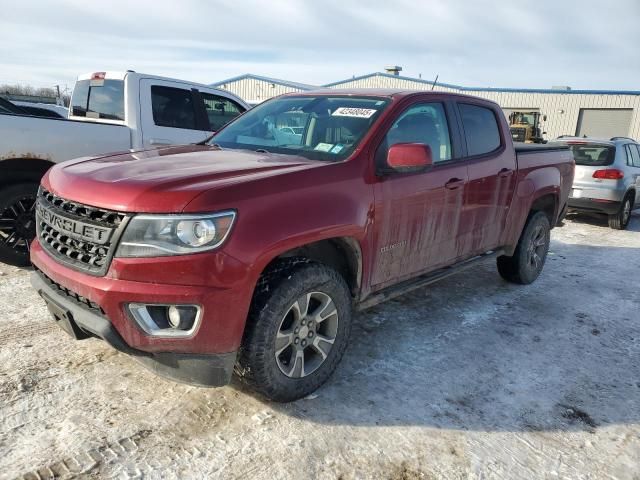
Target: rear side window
(98, 99)
(220, 110)
(633, 155)
(593, 155)
(480, 129)
(173, 107)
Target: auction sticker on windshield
(353, 112)
(324, 147)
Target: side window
(220, 110)
(627, 154)
(633, 155)
(480, 129)
(173, 107)
(423, 123)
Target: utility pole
(58, 96)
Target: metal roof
(488, 89)
(286, 83)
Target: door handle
(454, 183)
(505, 172)
(159, 141)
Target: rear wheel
(620, 220)
(297, 331)
(527, 261)
(17, 222)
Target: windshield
(593, 155)
(527, 118)
(315, 127)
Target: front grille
(519, 134)
(70, 247)
(71, 295)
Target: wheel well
(18, 170)
(547, 205)
(342, 254)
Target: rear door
(417, 215)
(492, 176)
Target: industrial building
(595, 113)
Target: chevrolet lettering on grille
(74, 228)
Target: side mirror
(409, 157)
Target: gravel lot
(470, 378)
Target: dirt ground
(470, 378)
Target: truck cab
(158, 111)
(526, 127)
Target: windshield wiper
(206, 140)
(262, 150)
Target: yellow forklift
(525, 127)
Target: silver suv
(607, 177)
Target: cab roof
(380, 92)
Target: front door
(417, 215)
(171, 114)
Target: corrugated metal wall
(562, 109)
(253, 90)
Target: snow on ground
(469, 378)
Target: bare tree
(28, 90)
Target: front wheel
(620, 220)
(297, 331)
(17, 222)
(527, 261)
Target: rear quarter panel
(540, 173)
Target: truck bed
(58, 139)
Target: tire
(17, 222)
(274, 318)
(620, 220)
(528, 260)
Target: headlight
(162, 235)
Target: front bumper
(609, 207)
(221, 285)
(195, 369)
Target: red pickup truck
(250, 251)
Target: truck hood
(163, 180)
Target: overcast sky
(493, 43)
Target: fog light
(166, 320)
(174, 316)
(182, 317)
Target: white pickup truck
(109, 112)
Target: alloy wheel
(18, 224)
(306, 335)
(626, 211)
(537, 246)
